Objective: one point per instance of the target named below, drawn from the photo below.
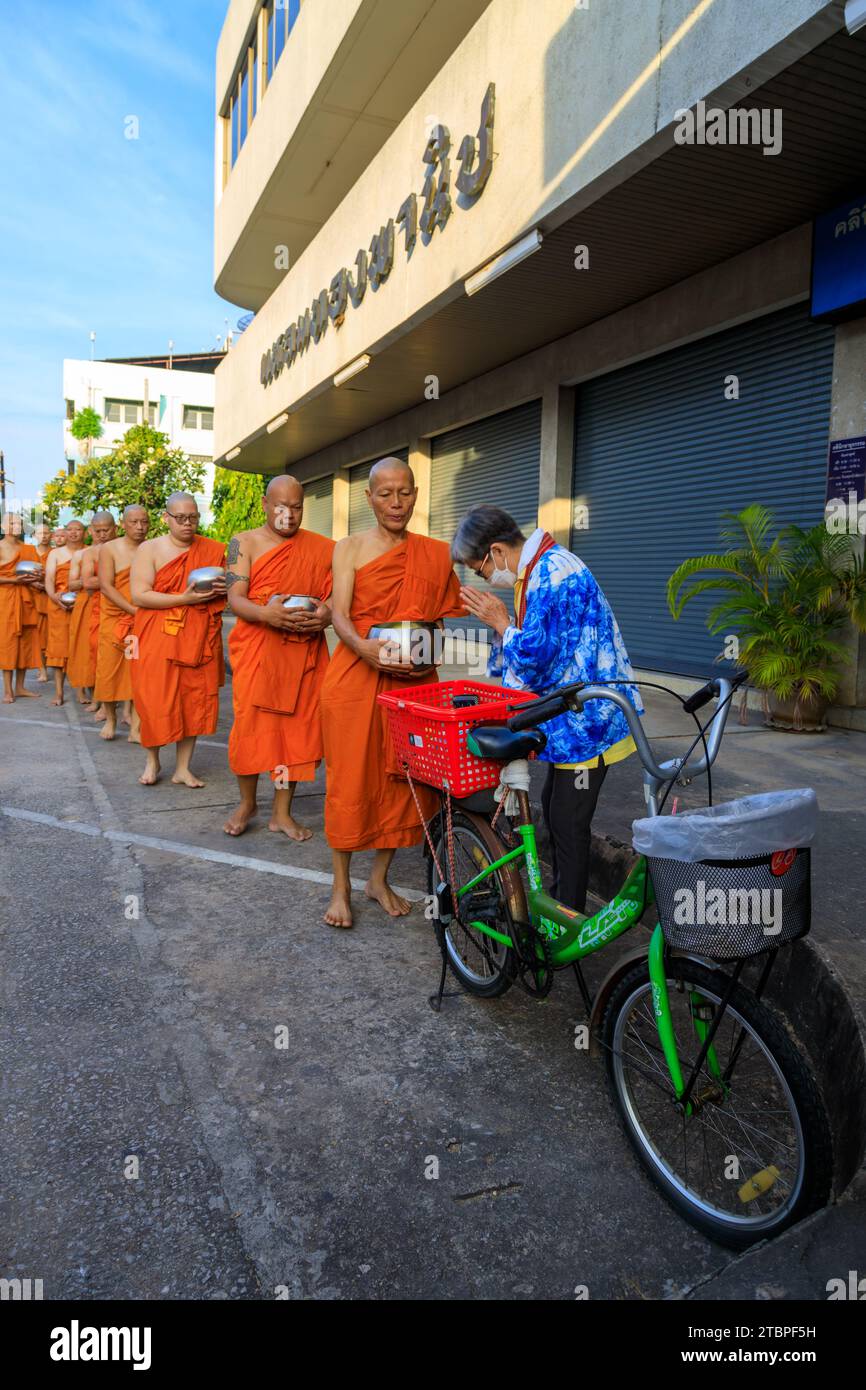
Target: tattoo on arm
(232, 578)
(234, 549)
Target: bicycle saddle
(496, 741)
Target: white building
(176, 399)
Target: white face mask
(501, 579)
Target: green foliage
(86, 426)
(788, 598)
(143, 468)
(237, 503)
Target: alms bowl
(203, 579)
(27, 567)
(303, 603)
(68, 597)
(420, 643)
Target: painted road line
(75, 825)
(87, 729)
(212, 856)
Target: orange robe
(19, 619)
(277, 676)
(179, 667)
(80, 667)
(57, 646)
(113, 667)
(368, 804)
(43, 603)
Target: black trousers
(568, 811)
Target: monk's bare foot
(108, 729)
(22, 694)
(84, 699)
(42, 678)
(125, 719)
(58, 700)
(99, 714)
(339, 913)
(384, 894)
(134, 737)
(290, 827)
(151, 772)
(186, 779)
(239, 819)
(8, 699)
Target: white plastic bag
(741, 829)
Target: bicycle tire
(815, 1171)
(477, 832)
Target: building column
(557, 461)
(420, 452)
(340, 504)
(848, 420)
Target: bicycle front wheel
(755, 1155)
(483, 965)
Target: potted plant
(788, 598)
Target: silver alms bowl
(420, 643)
(27, 567)
(303, 603)
(68, 597)
(203, 579)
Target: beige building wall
(556, 73)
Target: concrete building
(561, 257)
(174, 395)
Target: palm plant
(788, 597)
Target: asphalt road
(159, 1143)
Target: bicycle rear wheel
(483, 965)
(756, 1155)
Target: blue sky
(98, 231)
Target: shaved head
(135, 522)
(389, 465)
(392, 494)
(281, 485)
(102, 517)
(102, 527)
(179, 499)
(284, 505)
(75, 528)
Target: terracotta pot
(797, 715)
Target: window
(242, 103)
(254, 76)
(235, 124)
(279, 30)
(70, 409)
(245, 101)
(197, 417)
(129, 412)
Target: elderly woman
(563, 631)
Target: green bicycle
(721, 1108)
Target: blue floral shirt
(569, 634)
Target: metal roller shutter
(660, 454)
(360, 516)
(318, 506)
(492, 461)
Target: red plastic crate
(429, 735)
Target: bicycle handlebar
(570, 697)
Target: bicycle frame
(572, 936)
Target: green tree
(85, 427)
(237, 503)
(143, 469)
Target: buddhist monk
(19, 619)
(84, 627)
(59, 617)
(386, 573)
(179, 668)
(278, 657)
(42, 541)
(117, 612)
